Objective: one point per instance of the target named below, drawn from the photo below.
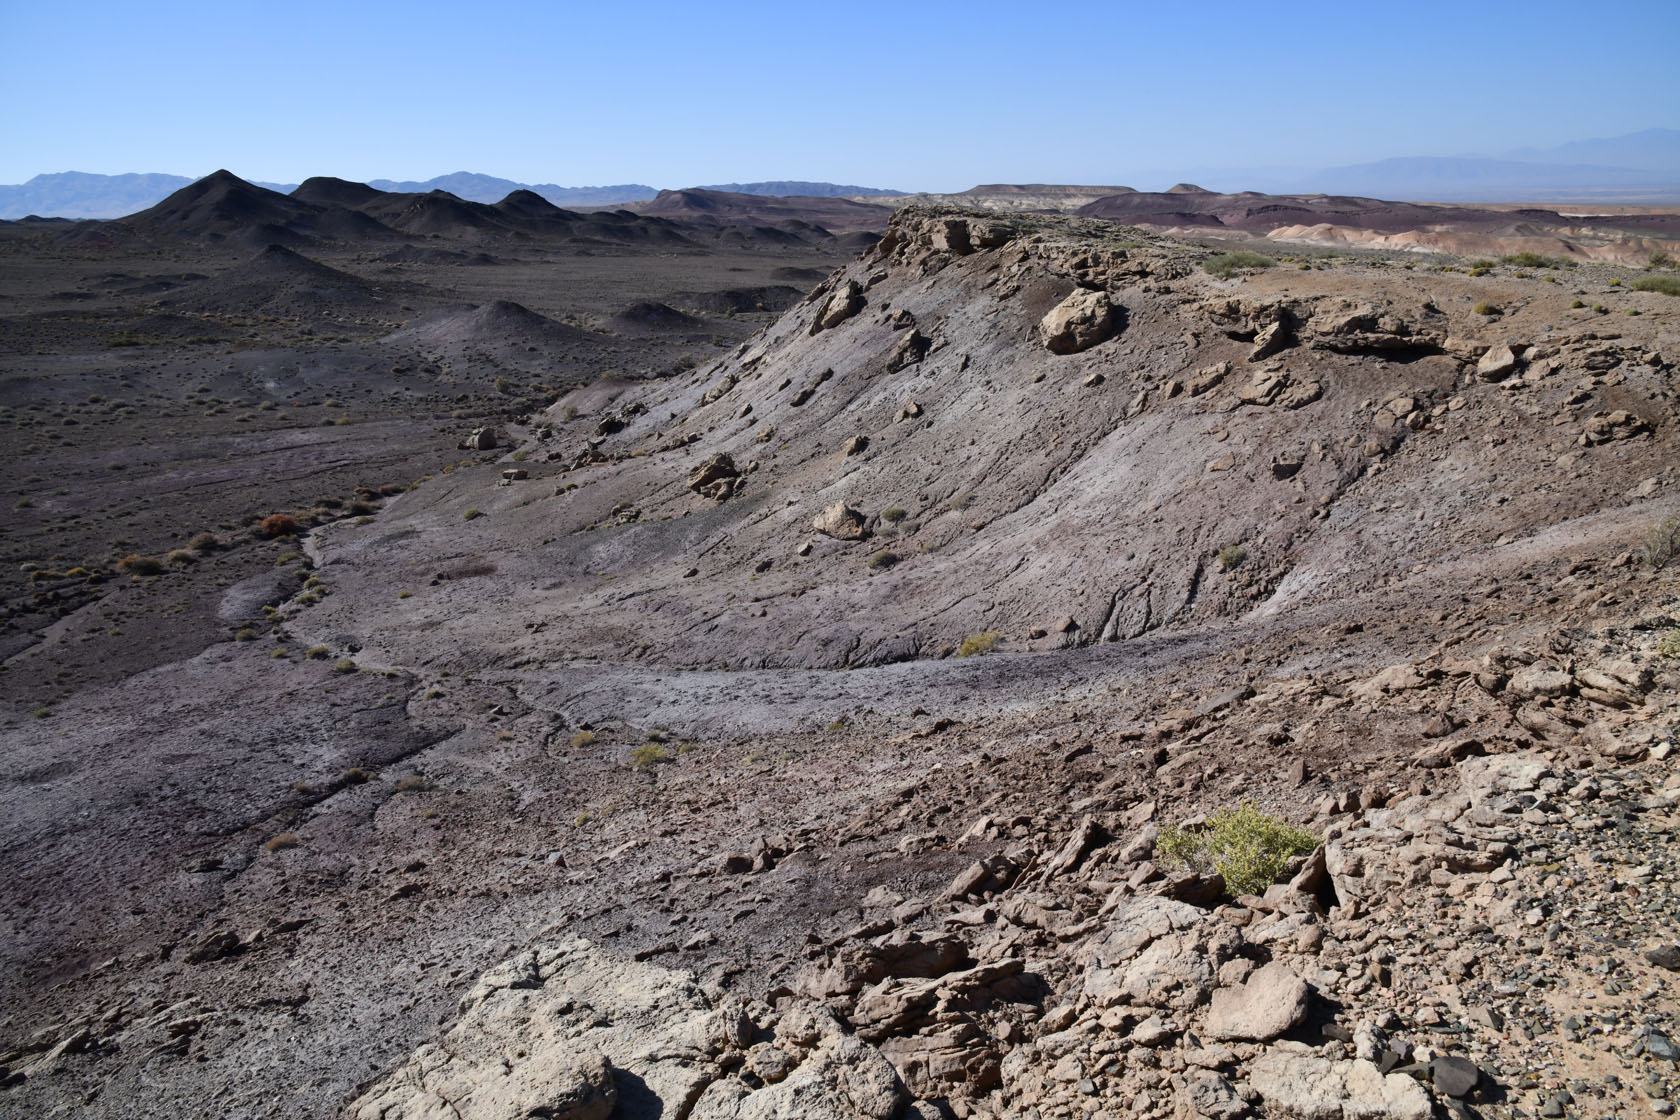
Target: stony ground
(624, 775)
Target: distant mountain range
(80, 194)
(1638, 167)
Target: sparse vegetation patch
(1225, 265)
(1247, 847)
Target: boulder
(846, 301)
(1499, 361)
(715, 478)
(1303, 1086)
(841, 522)
(1273, 1001)
(1079, 322)
(1269, 341)
(910, 348)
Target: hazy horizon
(938, 98)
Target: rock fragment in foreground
(572, 1033)
(1079, 322)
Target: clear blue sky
(934, 96)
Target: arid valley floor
(732, 657)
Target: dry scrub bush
(137, 565)
(281, 842)
(279, 525)
(976, 644)
(1248, 848)
(583, 739)
(1662, 542)
(1225, 265)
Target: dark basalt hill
(278, 280)
(722, 207)
(649, 318)
(501, 323)
(325, 190)
(223, 208)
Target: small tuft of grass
(281, 842)
(977, 644)
(1231, 555)
(1485, 308)
(344, 665)
(1576, 304)
(583, 739)
(354, 776)
(1225, 265)
(205, 542)
(649, 755)
(317, 653)
(472, 515)
(1247, 847)
(883, 560)
(413, 783)
(894, 514)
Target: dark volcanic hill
(836, 215)
(225, 208)
(500, 323)
(279, 281)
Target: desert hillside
(808, 698)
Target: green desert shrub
(583, 739)
(344, 665)
(1225, 265)
(1485, 308)
(976, 644)
(883, 559)
(1248, 848)
(472, 515)
(1532, 260)
(1231, 555)
(1669, 645)
(893, 513)
(1667, 285)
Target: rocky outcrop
(573, 1033)
(716, 478)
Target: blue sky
(936, 96)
